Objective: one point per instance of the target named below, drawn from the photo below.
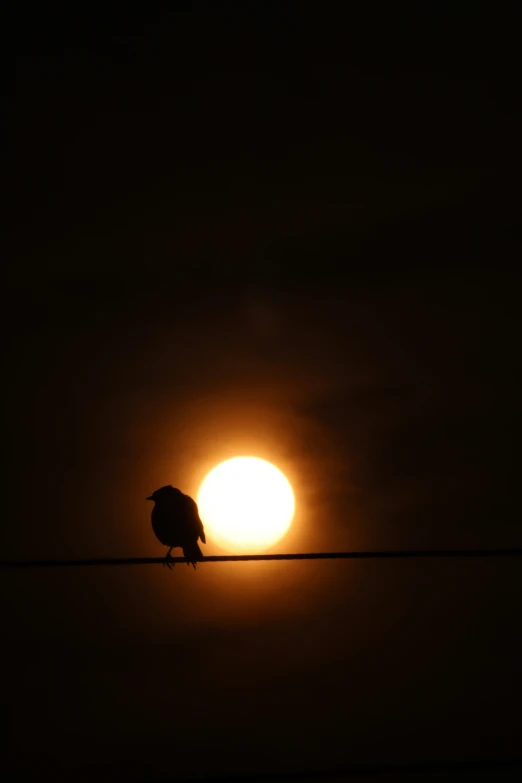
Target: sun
(246, 503)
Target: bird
(176, 522)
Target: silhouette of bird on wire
(175, 521)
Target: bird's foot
(169, 562)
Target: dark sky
(293, 234)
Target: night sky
(235, 229)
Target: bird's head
(163, 493)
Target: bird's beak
(149, 498)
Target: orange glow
(246, 503)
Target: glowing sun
(246, 503)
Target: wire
(370, 770)
(360, 555)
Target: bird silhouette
(175, 521)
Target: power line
(369, 770)
(357, 555)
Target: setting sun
(246, 503)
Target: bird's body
(175, 521)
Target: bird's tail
(192, 552)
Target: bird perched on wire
(175, 521)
